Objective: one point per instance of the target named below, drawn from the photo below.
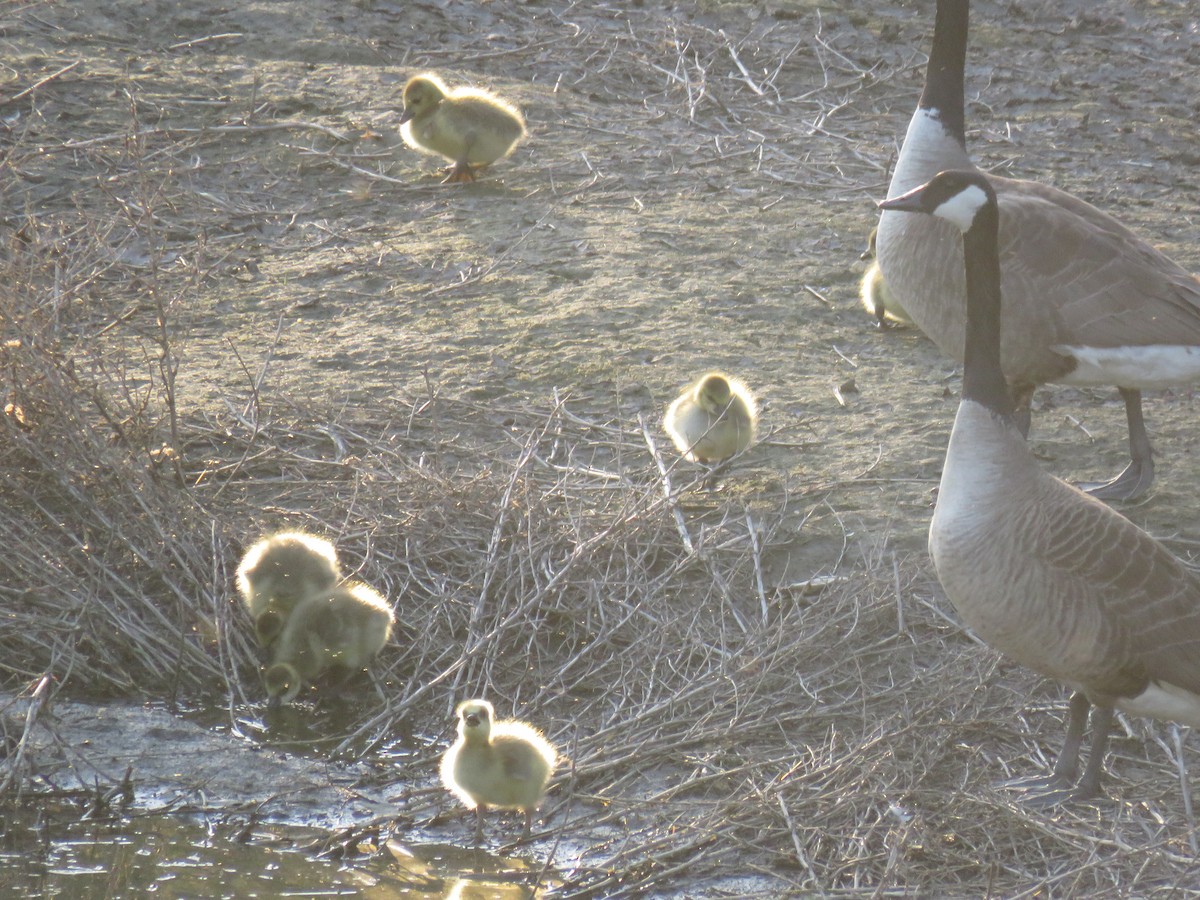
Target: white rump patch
(962, 207)
(1166, 702)
(1147, 368)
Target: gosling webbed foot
(461, 173)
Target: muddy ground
(697, 186)
(668, 214)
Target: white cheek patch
(1147, 368)
(962, 207)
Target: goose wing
(1108, 286)
(1145, 604)
(475, 117)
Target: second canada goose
(713, 419)
(469, 127)
(1038, 569)
(505, 764)
(280, 570)
(1086, 301)
(335, 630)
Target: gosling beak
(405, 116)
(275, 704)
(472, 720)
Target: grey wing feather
(1096, 266)
(1151, 599)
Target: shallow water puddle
(211, 800)
(178, 856)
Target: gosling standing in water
(712, 420)
(279, 571)
(504, 764)
(338, 630)
(467, 126)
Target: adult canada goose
(280, 570)
(1038, 569)
(1087, 302)
(874, 293)
(469, 127)
(713, 419)
(504, 764)
(337, 630)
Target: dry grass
(720, 722)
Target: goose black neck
(947, 60)
(983, 379)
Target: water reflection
(184, 856)
(463, 874)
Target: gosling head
(475, 719)
(422, 94)
(283, 684)
(713, 393)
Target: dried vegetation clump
(833, 734)
(832, 731)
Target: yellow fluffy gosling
(337, 630)
(879, 301)
(713, 419)
(873, 291)
(469, 127)
(278, 572)
(504, 764)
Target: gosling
(713, 420)
(469, 127)
(278, 572)
(338, 630)
(879, 301)
(873, 291)
(504, 764)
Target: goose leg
(461, 173)
(882, 322)
(1061, 780)
(1089, 785)
(1022, 397)
(479, 810)
(1067, 766)
(712, 480)
(1139, 474)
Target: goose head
(965, 198)
(960, 196)
(422, 94)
